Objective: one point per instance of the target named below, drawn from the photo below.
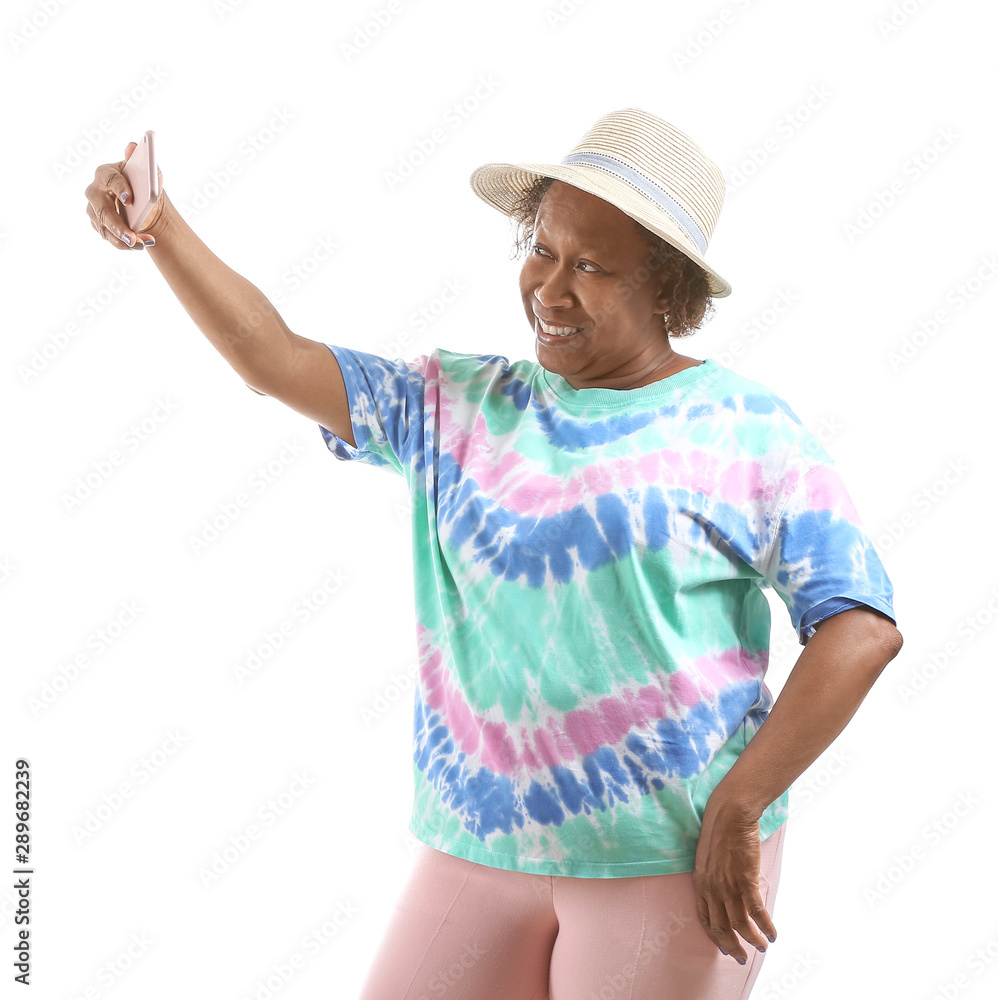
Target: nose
(553, 288)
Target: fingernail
(741, 961)
(721, 950)
(124, 198)
(126, 238)
(759, 947)
(149, 243)
(771, 938)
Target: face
(589, 268)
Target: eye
(589, 268)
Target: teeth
(558, 331)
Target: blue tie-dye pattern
(655, 512)
(758, 404)
(573, 434)
(542, 805)
(684, 746)
(336, 446)
(722, 525)
(398, 391)
(638, 776)
(573, 795)
(617, 776)
(484, 799)
(493, 360)
(517, 390)
(781, 404)
(737, 702)
(517, 546)
(701, 410)
(535, 545)
(810, 534)
(397, 427)
(488, 802)
(615, 521)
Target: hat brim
(501, 185)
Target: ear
(663, 301)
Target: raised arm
(236, 317)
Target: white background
(813, 112)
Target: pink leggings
(465, 931)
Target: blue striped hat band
(652, 191)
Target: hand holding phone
(142, 174)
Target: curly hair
(691, 301)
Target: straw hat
(641, 164)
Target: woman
(600, 773)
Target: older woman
(600, 772)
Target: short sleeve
(386, 408)
(821, 560)
(814, 616)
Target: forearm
(832, 676)
(235, 316)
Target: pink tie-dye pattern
(498, 752)
(536, 467)
(729, 666)
(519, 488)
(824, 492)
(684, 689)
(741, 481)
(582, 730)
(440, 694)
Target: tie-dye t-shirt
(591, 626)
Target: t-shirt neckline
(610, 398)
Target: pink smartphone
(143, 178)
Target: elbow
(866, 630)
(894, 641)
(885, 635)
(886, 642)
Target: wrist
(734, 803)
(162, 222)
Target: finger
(115, 232)
(729, 922)
(109, 189)
(109, 180)
(713, 918)
(758, 912)
(703, 915)
(748, 916)
(125, 195)
(719, 930)
(114, 225)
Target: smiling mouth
(557, 331)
